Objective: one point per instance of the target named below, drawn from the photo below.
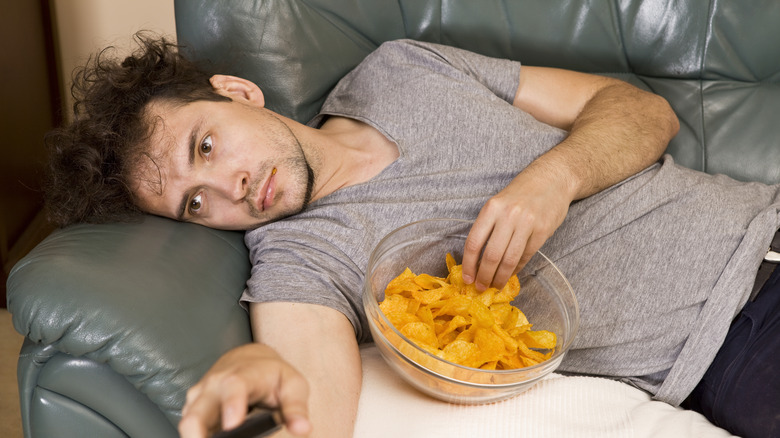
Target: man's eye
(206, 146)
(195, 204)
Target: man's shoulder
(407, 48)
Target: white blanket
(557, 407)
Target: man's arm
(320, 342)
(615, 130)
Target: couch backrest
(716, 61)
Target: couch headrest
(715, 61)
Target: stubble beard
(302, 175)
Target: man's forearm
(615, 129)
(320, 342)
(620, 131)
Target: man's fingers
(224, 398)
(472, 249)
(235, 402)
(535, 243)
(202, 415)
(192, 394)
(295, 408)
(191, 427)
(493, 256)
(512, 258)
(288, 392)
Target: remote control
(259, 423)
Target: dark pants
(740, 392)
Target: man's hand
(513, 225)
(244, 376)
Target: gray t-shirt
(660, 263)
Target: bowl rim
(554, 361)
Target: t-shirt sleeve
(400, 72)
(300, 267)
(500, 76)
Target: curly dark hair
(91, 160)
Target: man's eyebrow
(195, 139)
(193, 145)
(182, 208)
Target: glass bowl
(546, 298)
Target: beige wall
(85, 26)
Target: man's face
(226, 165)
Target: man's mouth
(267, 193)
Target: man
(540, 158)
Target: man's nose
(236, 188)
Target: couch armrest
(66, 396)
(156, 301)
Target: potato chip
(510, 363)
(524, 351)
(450, 327)
(394, 303)
(487, 297)
(491, 347)
(426, 281)
(459, 351)
(450, 261)
(538, 339)
(428, 296)
(455, 322)
(510, 344)
(400, 319)
(509, 291)
(456, 305)
(421, 334)
(480, 314)
(489, 365)
(402, 285)
(425, 315)
(447, 338)
(467, 334)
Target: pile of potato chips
(455, 322)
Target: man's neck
(345, 152)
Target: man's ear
(238, 89)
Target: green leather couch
(121, 319)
